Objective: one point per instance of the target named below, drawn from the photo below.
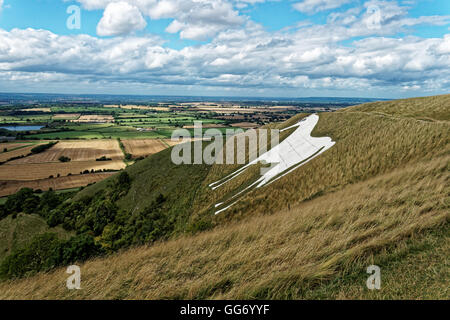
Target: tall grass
(424, 108)
(278, 256)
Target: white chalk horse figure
(293, 152)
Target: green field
(128, 123)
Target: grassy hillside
(433, 108)
(367, 145)
(379, 196)
(17, 231)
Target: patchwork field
(33, 171)
(8, 187)
(77, 151)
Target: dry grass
(424, 108)
(276, 256)
(77, 151)
(34, 171)
(68, 182)
(143, 147)
(417, 269)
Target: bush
(39, 255)
(45, 252)
(103, 158)
(20, 201)
(124, 179)
(64, 159)
(26, 200)
(42, 147)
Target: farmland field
(89, 131)
(95, 118)
(15, 153)
(131, 107)
(12, 146)
(33, 171)
(143, 147)
(76, 151)
(37, 110)
(8, 187)
(28, 119)
(66, 116)
(245, 125)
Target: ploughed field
(44, 170)
(15, 151)
(144, 147)
(61, 183)
(77, 151)
(33, 171)
(90, 161)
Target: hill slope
(379, 196)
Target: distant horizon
(168, 96)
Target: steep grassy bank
(284, 255)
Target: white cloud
(120, 18)
(94, 4)
(313, 6)
(1, 5)
(251, 59)
(242, 57)
(193, 19)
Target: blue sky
(376, 48)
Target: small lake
(22, 128)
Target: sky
(266, 48)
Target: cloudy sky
(282, 48)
